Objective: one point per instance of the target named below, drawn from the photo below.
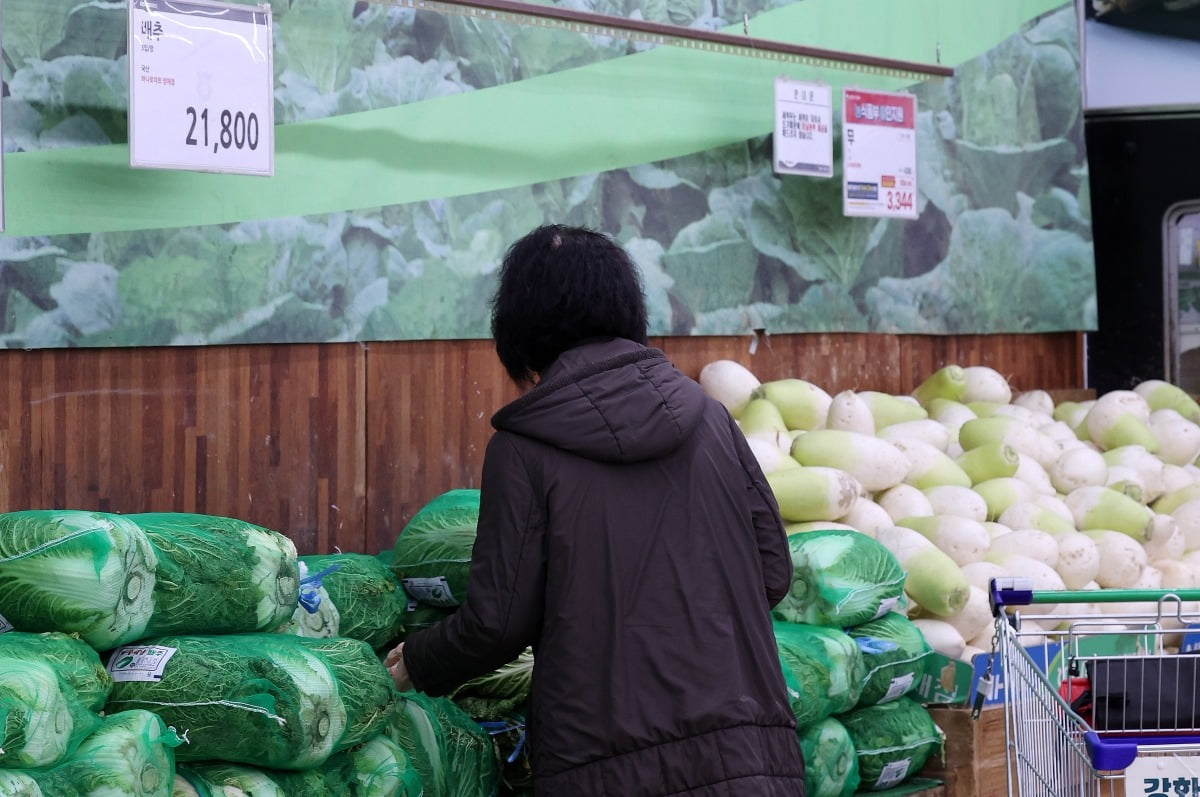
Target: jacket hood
(609, 400)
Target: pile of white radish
(963, 482)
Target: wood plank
(338, 445)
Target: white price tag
(803, 140)
(201, 87)
(900, 685)
(892, 773)
(1168, 774)
(139, 662)
(879, 154)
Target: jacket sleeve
(772, 541)
(501, 614)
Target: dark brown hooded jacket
(627, 533)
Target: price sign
(201, 87)
(1164, 775)
(803, 128)
(879, 154)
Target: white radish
(1105, 508)
(875, 463)
(1032, 515)
(926, 430)
(867, 516)
(1178, 438)
(1033, 543)
(1119, 418)
(943, 637)
(1037, 401)
(980, 574)
(1078, 467)
(1167, 541)
(963, 539)
(887, 409)
(1002, 493)
(730, 383)
(975, 617)
(953, 499)
(903, 501)
(1187, 518)
(1160, 394)
(1122, 559)
(1032, 473)
(932, 579)
(1078, 559)
(813, 493)
(802, 404)
(849, 412)
(985, 384)
(1149, 466)
(929, 466)
(760, 416)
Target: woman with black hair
(627, 533)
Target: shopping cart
(1110, 709)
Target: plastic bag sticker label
(885, 606)
(5, 625)
(901, 685)
(893, 773)
(431, 591)
(139, 662)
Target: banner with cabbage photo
(413, 147)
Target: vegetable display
(966, 479)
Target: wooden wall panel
(271, 434)
(337, 445)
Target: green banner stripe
(664, 103)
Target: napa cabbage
(271, 700)
(830, 763)
(839, 578)
(894, 655)
(823, 668)
(432, 555)
(357, 597)
(892, 741)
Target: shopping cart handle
(1009, 591)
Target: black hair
(560, 286)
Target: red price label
(899, 200)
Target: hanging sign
(201, 87)
(879, 154)
(803, 140)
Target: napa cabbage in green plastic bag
(74, 660)
(130, 754)
(830, 762)
(42, 718)
(822, 667)
(70, 571)
(452, 753)
(270, 700)
(375, 768)
(218, 575)
(432, 555)
(892, 741)
(840, 578)
(894, 654)
(357, 596)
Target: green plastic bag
(131, 754)
(77, 662)
(892, 741)
(269, 700)
(359, 598)
(432, 555)
(823, 669)
(452, 753)
(840, 578)
(830, 762)
(42, 718)
(894, 654)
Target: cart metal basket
(1091, 724)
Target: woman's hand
(394, 661)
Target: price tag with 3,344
(201, 87)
